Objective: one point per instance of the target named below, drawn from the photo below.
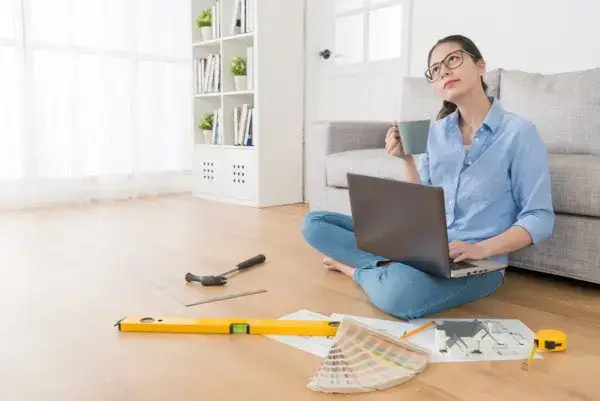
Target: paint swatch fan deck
(363, 359)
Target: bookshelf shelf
(203, 145)
(207, 95)
(245, 37)
(252, 153)
(216, 43)
(239, 93)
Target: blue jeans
(395, 288)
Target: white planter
(240, 82)
(207, 134)
(206, 33)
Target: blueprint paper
(319, 345)
(391, 327)
(501, 340)
(316, 345)
(510, 339)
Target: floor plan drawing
(456, 340)
(464, 337)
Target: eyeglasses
(452, 61)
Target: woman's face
(453, 83)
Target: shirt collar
(492, 119)
(494, 116)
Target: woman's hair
(467, 45)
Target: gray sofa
(566, 109)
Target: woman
(493, 168)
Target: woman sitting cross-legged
(493, 168)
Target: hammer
(221, 279)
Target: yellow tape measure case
(550, 340)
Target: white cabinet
(253, 153)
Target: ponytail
(449, 107)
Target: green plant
(205, 18)
(207, 122)
(238, 66)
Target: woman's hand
(393, 144)
(460, 250)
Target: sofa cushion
(576, 184)
(420, 102)
(565, 107)
(373, 162)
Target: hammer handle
(251, 262)
(245, 264)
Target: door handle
(325, 53)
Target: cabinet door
(239, 181)
(209, 171)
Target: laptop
(406, 222)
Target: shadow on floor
(552, 278)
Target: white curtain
(95, 100)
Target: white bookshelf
(265, 170)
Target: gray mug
(413, 135)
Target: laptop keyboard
(460, 265)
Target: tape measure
(547, 340)
(550, 340)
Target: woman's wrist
(486, 249)
(410, 170)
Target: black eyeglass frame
(445, 62)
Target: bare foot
(330, 264)
(334, 265)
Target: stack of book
(243, 17)
(207, 74)
(243, 125)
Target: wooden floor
(68, 274)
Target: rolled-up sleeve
(423, 168)
(423, 161)
(531, 185)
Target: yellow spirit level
(228, 326)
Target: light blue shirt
(501, 181)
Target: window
(98, 100)
(368, 30)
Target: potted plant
(204, 22)
(206, 125)
(238, 69)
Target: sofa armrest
(343, 136)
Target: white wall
(532, 35)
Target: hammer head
(206, 280)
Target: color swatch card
(363, 359)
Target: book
(242, 19)
(243, 125)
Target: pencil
(530, 360)
(418, 329)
